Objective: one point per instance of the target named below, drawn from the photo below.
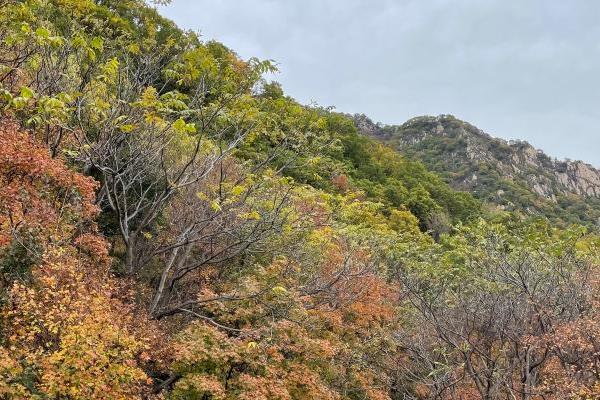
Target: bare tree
(485, 322)
(212, 226)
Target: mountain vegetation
(511, 175)
(173, 226)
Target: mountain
(173, 226)
(511, 175)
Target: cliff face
(580, 178)
(510, 174)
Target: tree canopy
(173, 226)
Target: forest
(174, 226)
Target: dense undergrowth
(173, 226)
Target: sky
(518, 69)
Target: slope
(511, 175)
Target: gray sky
(526, 69)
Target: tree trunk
(130, 261)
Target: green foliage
(399, 182)
(491, 169)
(285, 254)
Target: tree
(283, 335)
(493, 303)
(64, 330)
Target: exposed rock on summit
(511, 174)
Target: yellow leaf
(279, 290)
(252, 345)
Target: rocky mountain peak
(509, 173)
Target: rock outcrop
(511, 174)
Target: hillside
(511, 174)
(174, 226)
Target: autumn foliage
(172, 226)
(65, 334)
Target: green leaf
(26, 93)
(133, 48)
(97, 43)
(42, 32)
(215, 206)
(179, 125)
(78, 41)
(127, 128)
(34, 121)
(5, 95)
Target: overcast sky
(526, 69)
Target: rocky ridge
(512, 174)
